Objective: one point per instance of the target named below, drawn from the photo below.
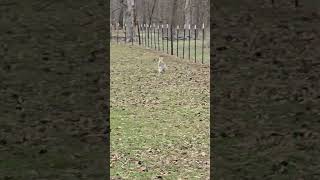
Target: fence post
(139, 34)
(142, 42)
(184, 36)
(154, 36)
(167, 38)
(162, 37)
(171, 37)
(151, 35)
(132, 34)
(125, 33)
(202, 41)
(158, 38)
(189, 39)
(145, 35)
(117, 27)
(195, 43)
(148, 29)
(178, 41)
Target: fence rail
(157, 37)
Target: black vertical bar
(189, 40)
(151, 35)
(125, 33)
(145, 35)
(138, 27)
(154, 37)
(296, 3)
(177, 41)
(202, 42)
(158, 38)
(184, 36)
(148, 33)
(142, 34)
(162, 37)
(117, 27)
(132, 34)
(195, 44)
(272, 2)
(142, 42)
(167, 39)
(171, 35)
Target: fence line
(148, 35)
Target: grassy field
(159, 124)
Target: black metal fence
(167, 39)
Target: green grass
(159, 125)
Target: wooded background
(137, 19)
(172, 12)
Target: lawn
(159, 124)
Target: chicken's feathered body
(162, 67)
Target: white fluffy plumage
(162, 67)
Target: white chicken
(162, 67)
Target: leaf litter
(164, 119)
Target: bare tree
(122, 8)
(187, 12)
(173, 16)
(159, 15)
(130, 19)
(172, 12)
(152, 11)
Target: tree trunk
(187, 13)
(159, 13)
(130, 20)
(152, 12)
(173, 16)
(196, 17)
(120, 20)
